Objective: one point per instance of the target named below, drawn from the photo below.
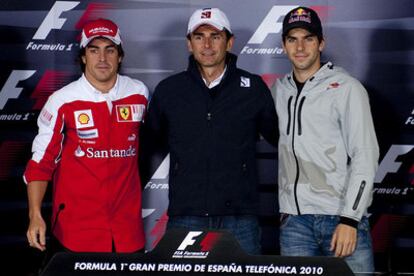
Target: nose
(207, 42)
(102, 56)
(300, 45)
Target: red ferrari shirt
(88, 145)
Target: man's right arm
(154, 126)
(36, 232)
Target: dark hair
(227, 32)
(82, 51)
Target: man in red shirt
(87, 146)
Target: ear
(190, 48)
(321, 45)
(230, 43)
(83, 59)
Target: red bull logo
(300, 15)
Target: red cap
(100, 28)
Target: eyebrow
(306, 36)
(203, 34)
(96, 47)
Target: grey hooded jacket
(328, 151)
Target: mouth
(300, 57)
(208, 53)
(102, 66)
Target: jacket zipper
(294, 155)
(300, 116)
(288, 124)
(206, 203)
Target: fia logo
(198, 250)
(189, 239)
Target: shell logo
(83, 118)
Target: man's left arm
(267, 121)
(360, 140)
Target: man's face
(101, 61)
(303, 50)
(209, 46)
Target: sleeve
(361, 143)
(154, 130)
(267, 121)
(141, 89)
(47, 144)
(155, 118)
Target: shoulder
(175, 79)
(68, 93)
(283, 85)
(339, 76)
(172, 83)
(133, 86)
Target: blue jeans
(310, 235)
(245, 229)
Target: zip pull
(289, 114)
(359, 195)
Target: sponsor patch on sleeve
(130, 112)
(46, 117)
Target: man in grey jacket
(328, 151)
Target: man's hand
(344, 240)
(36, 233)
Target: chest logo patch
(130, 112)
(244, 82)
(83, 118)
(333, 85)
(125, 113)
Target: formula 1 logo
(271, 24)
(57, 18)
(199, 250)
(10, 89)
(395, 175)
(52, 21)
(410, 119)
